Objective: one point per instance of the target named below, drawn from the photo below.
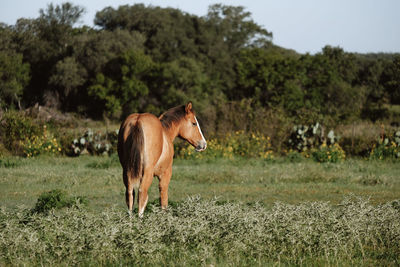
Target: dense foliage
(22, 135)
(146, 58)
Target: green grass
(260, 181)
(240, 212)
(246, 180)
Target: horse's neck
(171, 132)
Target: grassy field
(224, 212)
(245, 180)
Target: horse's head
(190, 129)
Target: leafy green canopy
(144, 58)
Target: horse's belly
(165, 160)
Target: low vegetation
(203, 232)
(66, 211)
(23, 135)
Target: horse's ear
(188, 107)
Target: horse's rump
(132, 150)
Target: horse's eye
(194, 123)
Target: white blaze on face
(198, 126)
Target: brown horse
(145, 150)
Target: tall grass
(203, 232)
(300, 219)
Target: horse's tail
(135, 142)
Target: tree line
(141, 58)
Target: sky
(363, 26)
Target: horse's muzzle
(201, 146)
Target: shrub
(237, 144)
(65, 140)
(40, 144)
(304, 137)
(311, 142)
(56, 199)
(3, 151)
(332, 153)
(388, 147)
(357, 146)
(95, 143)
(357, 138)
(16, 128)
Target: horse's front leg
(165, 178)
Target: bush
(237, 144)
(388, 147)
(65, 140)
(332, 153)
(311, 142)
(304, 137)
(40, 144)
(56, 199)
(16, 128)
(3, 150)
(95, 143)
(358, 138)
(357, 146)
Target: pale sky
(303, 25)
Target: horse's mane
(172, 115)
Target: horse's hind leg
(129, 190)
(143, 190)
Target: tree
(234, 26)
(215, 39)
(44, 42)
(94, 49)
(330, 84)
(169, 33)
(123, 87)
(64, 14)
(67, 76)
(182, 80)
(391, 80)
(267, 76)
(14, 76)
(227, 31)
